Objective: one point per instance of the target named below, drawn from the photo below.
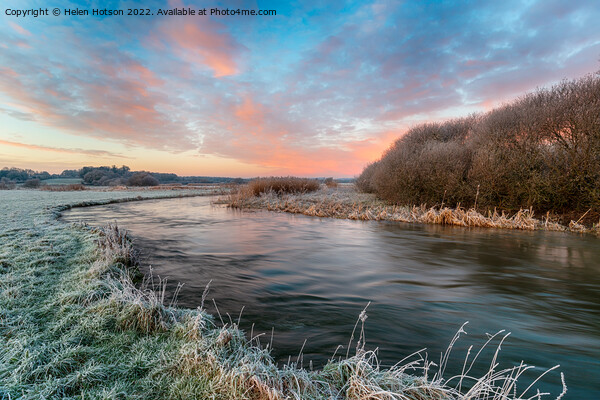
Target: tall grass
(277, 186)
(330, 183)
(281, 185)
(346, 203)
(63, 188)
(541, 151)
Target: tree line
(105, 176)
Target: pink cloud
(19, 29)
(8, 72)
(113, 97)
(95, 153)
(251, 114)
(254, 134)
(200, 41)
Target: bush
(32, 183)
(330, 183)
(541, 151)
(365, 181)
(6, 184)
(142, 179)
(280, 185)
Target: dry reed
(63, 188)
(282, 185)
(346, 203)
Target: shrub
(6, 184)
(330, 183)
(280, 185)
(365, 181)
(142, 179)
(32, 183)
(540, 151)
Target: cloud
(19, 29)
(269, 137)
(23, 116)
(200, 41)
(201, 44)
(94, 153)
(98, 90)
(321, 88)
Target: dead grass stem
(63, 188)
(282, 185)
(346, 203)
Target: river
(308, 279)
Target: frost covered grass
(347, 203)
(78, 321)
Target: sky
(320, 89)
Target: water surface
(308, 278)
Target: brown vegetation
(541, 151)
(330, 183)
(6, 184)
(142, 179)
(345, 203)
(32, 183)
(63, 188)
(281, 185)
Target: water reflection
(309, 278)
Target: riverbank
(345, 202)
(77, 322)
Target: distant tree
(93, 177)
(69, 173)
(15, 174)
(42, 175)
(102, 176)
(166, 177)
(142, 179)
(84, 170)
(110, 176)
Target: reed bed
(330, 183)
(281, 185)
(346, 203)
(63, 188)
(182, 187)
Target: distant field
(62, 181)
